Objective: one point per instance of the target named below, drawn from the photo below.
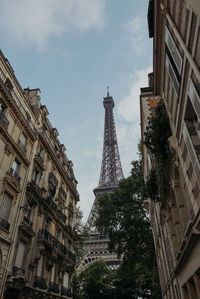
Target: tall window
(6, 206)
(20, 255)
(16, 166)
(2, 108)
(22, 142)
(36, 176)
(39, 268)
(40, 151)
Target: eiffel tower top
(111, 169)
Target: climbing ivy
(156, 140)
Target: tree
(122, 218)
(94, 282)
(81, 234)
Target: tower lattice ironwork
(96, 247)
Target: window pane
(5, 206)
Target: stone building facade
(38, 196)
(175, 28)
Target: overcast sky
(72, 50)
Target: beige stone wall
(40, 214)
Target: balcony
(32, 187)
(51, 203)
(52, 179)
(15, 175)
(53, 287)
(39, 283)
(4, 121)
(46, 236)
(62, 193)
(66, 292)
(22, 146)
(61, 215)
(28, 221)
(39, 160)
(4, 224)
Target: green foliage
(94, 282)
(156, 140)
(81, 234)
(123, 219)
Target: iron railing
(53, 179)
(28, 221)
(45, 235)
(15, 175)
(62, 192)
(39, 283)
(53, 287)
(66, 292)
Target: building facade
(37, 197)
(175, 28)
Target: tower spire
(96, 246)
(107, 91)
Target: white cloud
(128, 108)
(137, 29)
(34, 22)
(128, 111)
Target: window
(20, 255)
(40, 151)
(36, 176)
(2, 108)
(39, 268)
(172, 75)
(53, 273)
(22, 142)
(16, 166)
(6, 206)
(173, 50)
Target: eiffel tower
(96, 246)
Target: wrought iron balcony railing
(28, 221)
(45, 235)
(39, 283)
(4, 224)
(66, 292)
(15, 175)
(61, 215)
(4, 121)
(51, 203)
(62, 193)
(32, 186)
(53, 179)
(53, 287)
(22, 146)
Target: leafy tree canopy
(94, 282)
(122, 217)
(81, 234)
